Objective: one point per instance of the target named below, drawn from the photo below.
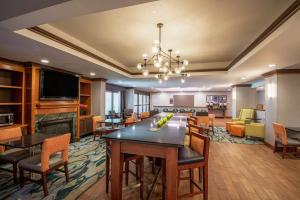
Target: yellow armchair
(245, 116)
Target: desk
(138, 139)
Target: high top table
(138, 139)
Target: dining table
(27, 141)
(145, 139)
(293, 132)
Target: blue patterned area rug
(86, 167)
(221, 135)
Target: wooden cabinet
(85, 125)
(12, 90)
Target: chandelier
(166, 64)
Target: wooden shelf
(85, 116)
(85, 95)
(11, 87)
(10, 104)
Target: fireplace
(56, 124)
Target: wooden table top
(26, 141)
(171, 134)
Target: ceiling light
(160, 81)
(44, 61)
(139, 66)
(164, 61)
(145, 72)
(182, 80)
(119, 81)
(243, 78)
(272, 65)
(92, 73)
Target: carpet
(221, 135)
(86, 166)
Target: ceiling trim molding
(73, 46)
(53, 37)
(241, 85)
(288, 13)
(282, 71)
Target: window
(112, 102)
(141, 103)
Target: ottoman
(237, 130)
(255, 130)
(229, 124)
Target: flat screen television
(56, 85)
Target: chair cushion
(187, 156)
(14, 155)
(291, 141)
(34, 162)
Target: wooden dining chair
(12, 156)
(137, 160)
(52, 157)
(145, 115)
(130, 120)
(281, 138)
(98, 123)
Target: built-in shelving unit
(85, 97)
(12, 90)
(85, 119)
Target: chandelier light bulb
(185, 62)
(155, 49)
(182, 67)
(157, 64)
(177, 70)
(156, 42)
(160, 59)
(156, 76)
(145, 72)
(164, 69)
(182, 80)
(160, 81)
(170, 72)
(188, 75)
(166, 78)
(139, 66)
(177, 52)
(145, 56)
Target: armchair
(245, 116)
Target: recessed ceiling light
(44, 61)
(244, 77)
(272, 65)
(93, 74)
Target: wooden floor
(236, 171)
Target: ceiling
(210, 35)
(204, 31)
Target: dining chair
(145, 115)
(12, 156)
(98, 124)
(189, 158)
(282, 138)
(52, 157)
(128, 158)
(130, 120)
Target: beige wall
(163, 98)
(98, 97)
(242, 97)
(288, 100)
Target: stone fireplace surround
(56, 123)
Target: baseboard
(269, 145)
